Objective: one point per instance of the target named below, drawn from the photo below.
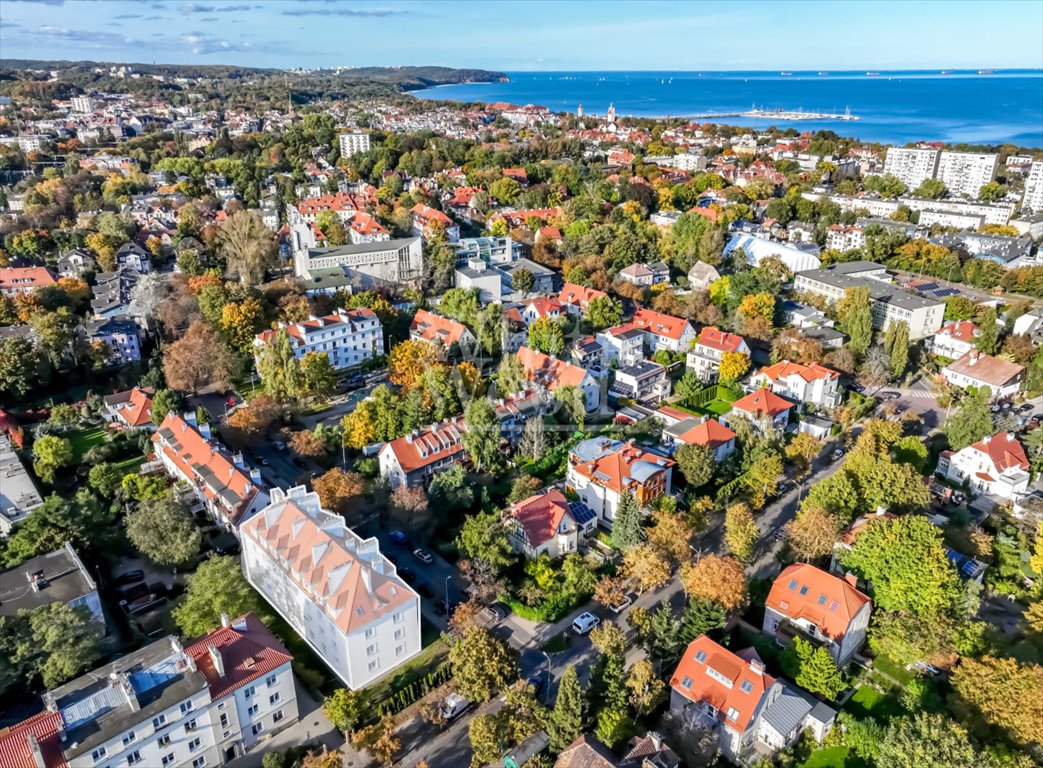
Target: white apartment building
(18, 493)
(964, 173)
(912, 166)
(971, 221)
(347, 337)
(82, 104)
(390, 261)
(353, 143)
(808, 383)
(336, 589)
(995, 465)
(1033, 198)
(842, 237)
(878, 207)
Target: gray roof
(375, 247)
(642, 370)
(526, 264)
(107, 325)
(818, 421)
(885, 293)
(57, 577)
(787, 712)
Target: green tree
(163, 402)
(247, 245)
(574, 401)
(818, 672)
(662, 638)
(604, 312)
(687, 387)
(627, 531)
(932, 188)
(163, 531)
(696, 463)
(345, 709)
(569, 716)
(482, 664)
(522, 280)
(991, 192)
(82, 521)
(972, 420)
(510, 376)
(217, 587)
(857, 316)
(50, 453)
(65, 641)
(19, 366)
(740, 532)
(279, 368)
(547, 336)
(699, 617)
(318, 376)
(484, 537)
(481, 439)
(896, 342)
(925, 741)
(988, 339)
(105, 479)
(506, 190)
(450, 489)
(644, 686)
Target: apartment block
(1033, 198)
(353, 143)
(348, 337)
(912, 166)
(965, 173)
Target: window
(371, 650)
(186, 707)
(221, 705)
(128, 737)
(686, 682)
(168, 760)
(733, 713)
(373, 665)
(190, 725)
(274, 698)
(821, 599)
(398, 618)
(134, 758)
(256, 728)
(400, 649)
(159, 721)
(399, 634)
(700, 656)
(248, 692)
(834, 606)
(804, 590)
(270, 680)
(371, 633)
(164, 740)
(194, 745)
(98, 754)
(224, 719)
(277, 716)
(251, 710)
(199, 762)
(746, 686)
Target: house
(18, 493)
(76, 262)
(133, 257)
(701, 276)
(644, 381)
(576, 299)
(550, 373)
(763, 408)
(224, 485)
(975, 369)
(994, 466)
(645, 275)
(955, 339)
(587, 352)
(111, 293)
(58, 576)
(442, 332)
(807, 383)
(427, 219)
(804, 315)
(542, 277)
(601, 470)
(701, 431)
(705, 357)
(411, 459)
(752, 712)
(335, 589)
(120, 335)
(131, 408)
(811, 603)
(818, 427)
(16, 280)
(1030, 324)
(586, 752)
(348, 337)
(548, 524)
(674, 334)
(622, 345)
(650, 751)
(540, 307)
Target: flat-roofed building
(57, 577)
(18, 493)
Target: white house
(347, 337)
(540, 307)
(701, 276)
(955, 339)
(645, 275)
(551, 374)
(548, 524)
(974, 369)
(441, 332)
(120, 335)
(700, 431)
(601, 470)
(644, 381)
(994, 466)
(413, 458)
(623, 344)
(334, 588)
(808, 383)
(576, 298)
(762, 408)
(673, 334)
(704, 359)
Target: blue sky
(536, 35)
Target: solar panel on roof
(580, 512)
(946, 292)
(927, 286)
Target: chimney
(204, 430)
(757, 667)
(255, 475)
(986, 439)
(190, 417)
(237, 459)
(851, 579)
(973, 359)
(224, 620)
(34, 747)
(880, 511)
(239, 625)
(217, 659)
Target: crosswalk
(920, 394)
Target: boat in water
(986, 71)
(872, 74)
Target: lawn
(83, 440)
(716, 408)
(867, 701)
(834, 757)
(892, 670)
(131, 465)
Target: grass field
(834, 757)
(84, 439)
(130, 466)
(867, 701)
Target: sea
(958, 106)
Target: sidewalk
(311, 727)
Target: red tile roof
(16, 749)
(1004, 450)
(431, 444)
(248, 650)
(298, 332)
(544, 306)
(807, 371)
(710, 433)
(762, 402)
(435, 328)
(365, 224)
(549, 371)
(338, 202)
(986, 368)
(722, 341)
(540, 515)
(579, 295)
(964, 330)
(20, 278)
(615, 469)
(428, 215)
(137, 411)
(661, 325)
(805, 592)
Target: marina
(780, 114)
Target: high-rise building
(1033, 199)
(965, 173)
(353, 143)
(912, 166)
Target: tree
(812, 533)
(50, 453)
(217, 587)
(336, 489)
(252, 419)
(971, 421)
(241, 321)
(408, 509)
(669, 535)
(687, 387)
(716, 578)
(988, 339)
(481, 439)
(55, 334)
(740, 532)
(198, 360)
(547, 336)
(510, 377)
(896, 342)
(533, 443)
(379, 739)
(506, 190)
(345, 709)
(19, 366)
(610, 591)
(925, 741)
(64, 641)
(522, 280)
(247, 245)
(734, 366)
(1001, 694)
(646, 567)
(644, 685)
(488, 737)
(802, 450)
(318, 374)
(604, 312)
(932, 188)
(482, 664)
(574, 401)
(307, 443)
(163, 402)
(279, 368)
(760, 305)
(907, 565)
(818, 672)
(450, 489)
(627, 531)
(484, 536)
(699, 617)
(696, 463)
(105, 479)
(163, 531)
(408, 361)
(662, 635)
(569, 716)
(857, 316)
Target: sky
(514, 35)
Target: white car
(584, 623)
(453, 706)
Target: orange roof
(1005, 452)
(20, 278)
(321, 555)
(709, 432)
(518, 174)
(733, 684)
(807, 371)
(986, 368)
(805, 592)
(248, 649)
(623, 466)
(552, 233)
(298, 332)
(429, 445)
(549, 371)
(661, 325)
(137, 411)
(365, 224)
(427, 214)
(722, 341)
(435, 328)
(579, 295)
(16, 751)
(544, 306)
(964, 330)
(338, 202)
(540, 515)
(763, 402)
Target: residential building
(994, 466)
(601, 470)
(16, 280)
(540, 307)
(76, 262)
(912, 166)
(576, 299)
(1032, 200)
(334, 588)
(623, 345)
(542, 277)
(650, 751)
(644, 381)
(586, 752)
(131, 408)
(549, 373)
(413, 458)
(441, 332)
(491, 250)
(389, 262)
(587, 352)
(229, 490)
(701, 276)
(673, 334)
(975, 369)
(476, 274)
(804, 315)
(955, 339)
(701, 431)
(645, 275)
(704, 359)
(548, 524)
(952, 219)
(807, 602)
(57, 577)
(1030, 324)
(757, 249)
(807, 383)
(889, 303)
(18, 493)
(991, 213)
(111, 293)
(762, 408)
(964, 173)
(426, 219)
(845, 237)
(353, 143)
(131, 256)
(348, 337)
(120, 335)
(753, 713)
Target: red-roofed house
(538, 307)
(955, 339)
(804, 382)
(425, 217)
(347, 337)
(763, 408)
(576, 298)
(550, 373)
(709, 432)
(16, 280)
(995, 466)
(704, 359)
(363, 228)
(33, 743)
(548, 524)
(601, 470)
(974, 369)
(411, 459)
(674, 334)
(805, 600)
(518, 174)
(132, 409)
(443, 332)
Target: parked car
(134, 592)
(837, 454)
(618, 608)
(279, 445)
(299, 462)
(399, 537)
(536, 681)
(1026, 407)
(423, 556)
(425, 591)
(584, 623)
(494, 613)
(453, 706)
(130, 577)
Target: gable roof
(761, 403)
(722, 341)
(586, 752)
(436, 328)
(299, 332)
(543, 306)
(137, 410)
(25, 277)
(803, 591)
(17, 742)
(709, 432)
(661, 325)
(427, 446)
(540, 515)
(578, 295)
(1004, 451)
(427, 214)
(807, 371)
(248, 650)
(986, 368)
(617, 466)
(964, 330)
(549, 371)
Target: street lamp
(546, 690)
(447, 578)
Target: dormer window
(733, 713)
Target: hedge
(415, 690)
